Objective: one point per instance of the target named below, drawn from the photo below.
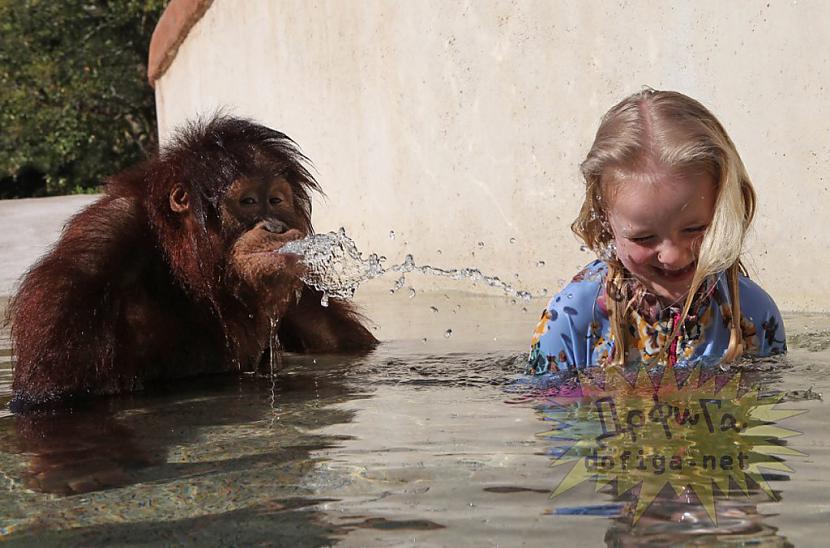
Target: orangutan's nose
(277, 227)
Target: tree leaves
(75, 105)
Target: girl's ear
(179, 199)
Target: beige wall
(454, 123)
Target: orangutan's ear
(179, 199)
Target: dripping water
(275, 363)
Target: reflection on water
(429, 440)
(687, 453)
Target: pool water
(434, 439)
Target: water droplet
(512, 240)
(570, 295)
(424, 340)
(314, 362)
(412, 293)
(480, 244)
(584, 248)
(448, 333)
(513, 301)
(609, 251)
(540, 264)
(324, 300)
(516, 275)
(433, 308)
(544, 291)
(391, 234)
(399, 283)
(524, 309)
(439, 251)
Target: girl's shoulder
(754, 300)
(756, 303)
(580, 295)
(752, 293)
(593, 273)
(761, 322)
(573, 320)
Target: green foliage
(75, 104)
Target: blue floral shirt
(575, 331)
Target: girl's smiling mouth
(676, 275)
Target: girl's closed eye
(645, 238)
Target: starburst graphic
(633, 432)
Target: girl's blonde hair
(667, 130)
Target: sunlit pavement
(28, 227)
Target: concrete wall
(454, 123)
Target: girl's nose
(673, 256)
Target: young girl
(667, 205)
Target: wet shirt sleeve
(766, 335)
(567, 332)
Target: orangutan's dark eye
(247, 201)
(275, 201)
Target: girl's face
(658, 225)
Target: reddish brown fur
(138, 289)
